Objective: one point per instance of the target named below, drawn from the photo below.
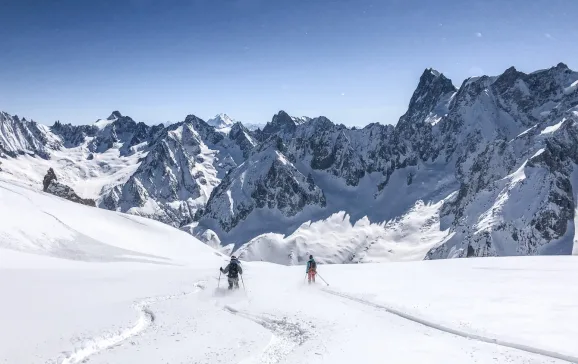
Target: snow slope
(79, 283)
(39, 223)
(89, 178)
(340, 239)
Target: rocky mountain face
(266, 180)
(515, 165)
(185, 162)
(491, 144)
(20, 136)
(51, 185)
(489, 165)
(122, 130)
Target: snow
(103, 123)
(525, 132)
(40, 223)
(523, 87)
(441, 109)
(540, 151)
(553, 128)
(254, 126)
(522, 300)
(572, 235)
(338, 239)
(573, 87)
(89, 178)
(80, 284)
(221, 122)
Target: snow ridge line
(145, 320)
(449, 330)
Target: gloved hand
(221, 269)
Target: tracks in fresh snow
(287, 334)
(449, 330)
(146, 319)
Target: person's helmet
(311, 257)
(233, 257)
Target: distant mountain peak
(433, 72)
(432, 89)
(282, 117)
(221, 121)
(562, 66)
(431, 75)
(114, 115)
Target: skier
(311, 269)
(233, 269)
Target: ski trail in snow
(146, 319)
(449, 330)
(286, 335)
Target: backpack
(312, 265)
(233, 269)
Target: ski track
(146, 319)
(286, 335)
(467, 335)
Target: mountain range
(484, 169)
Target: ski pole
(323, 279)
(219, 283)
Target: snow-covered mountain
(184, 164)
(266, 181)
(20, 136)
(495, 157)
(221, 121)
(486, 169)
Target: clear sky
(354, 61)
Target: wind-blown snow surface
(79, 283)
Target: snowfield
(81, 284)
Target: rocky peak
(52, 186)
(121, 129)
(321, 123)
(237, 128)
(562, 66)
(267, 180)
(50, 176)
(73, 135)
(282, 123)
(206, 131)
(114, 115)
(242, 137)
(19, 136)
(432, 89)
(509, 77)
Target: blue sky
(354, 61)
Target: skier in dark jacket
(232, 270)
(311, 269)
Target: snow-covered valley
(84, 284)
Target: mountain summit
(221, 121)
